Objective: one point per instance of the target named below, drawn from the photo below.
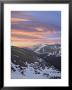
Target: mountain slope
(20, 56)
(26, 63)
(50, 53)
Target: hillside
(26, 61)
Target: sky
(30, 28)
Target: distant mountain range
(47, 49)
(38, 58)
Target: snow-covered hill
(30, 72)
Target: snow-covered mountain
(47, 49)
(26, 63)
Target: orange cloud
(33, 34)
(29, 43)
(39, 38)
(39, 29)
(16, 39)
(22, 44)
(15, 20)
(25, 33)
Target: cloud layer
(30, 28)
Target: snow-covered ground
(30, 73)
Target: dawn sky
(30, 28)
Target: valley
(38, 62)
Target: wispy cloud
(38, 34)
(22, 38)
(16, 20)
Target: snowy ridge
(40, 47)
(30, 72)
(48, 49)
